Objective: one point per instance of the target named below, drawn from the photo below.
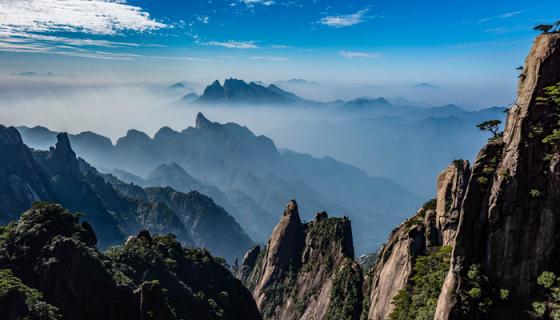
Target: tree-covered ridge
(19, 301)
(195, 283)
(49, 251)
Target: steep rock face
(434, 226)
(393, 269)
(22, 180)
(510, 217)
(248, 264)
(307, 270)
(451, 186)
(282, 253)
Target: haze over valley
(279, 160)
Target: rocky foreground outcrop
(50, 269)
(429, 232)
(510, 217)
(306, 271)
(478, 250)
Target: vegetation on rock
(18, 301)
(549, 308)
(418, 299)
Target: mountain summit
(236, 91)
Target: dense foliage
(153, 278)
(418, 299)
(549, 308)
(195, 283)
(551, 99)
(346, 293)
(19, 301)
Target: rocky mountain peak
(282, 253)
(202, 122)
(63, 145)
(9, 136)
(62, 157)
(292, 210)
(314, 262)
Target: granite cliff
(306, 270)
(487, 247)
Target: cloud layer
(28, 26)
(104, 17)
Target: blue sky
(454, 44)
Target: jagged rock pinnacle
(9, 136)
(201, 121)
(291, 209)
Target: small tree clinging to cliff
(544, 28)
(491, 126)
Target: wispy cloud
(105, 17)
(500, 16)
(344, 20)
(281, 46)
(510, 14)
(27, 26)
(267, 58)
(504, 30)
(231, 44)
(359, 54)
(251, 3)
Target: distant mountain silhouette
(249, 176)
(425, 85)
(114, 209)
(235, 91)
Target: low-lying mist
(408, 150)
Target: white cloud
(203, 19)
(344, 20)
(105, 17)
(234, 44)
(27, 25)
(359, 54)
(251, 3)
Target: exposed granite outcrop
(510, 225)
(433, 226)
(307, 271)
(451, 186)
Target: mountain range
(244, 173)
(115, 209)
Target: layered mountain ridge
(247, 175)
(114, 209)
(51, 269)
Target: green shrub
(418, 299)
(534, 193)
(33, 299)
(483, 180)
(346, 293)
(550, 307)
